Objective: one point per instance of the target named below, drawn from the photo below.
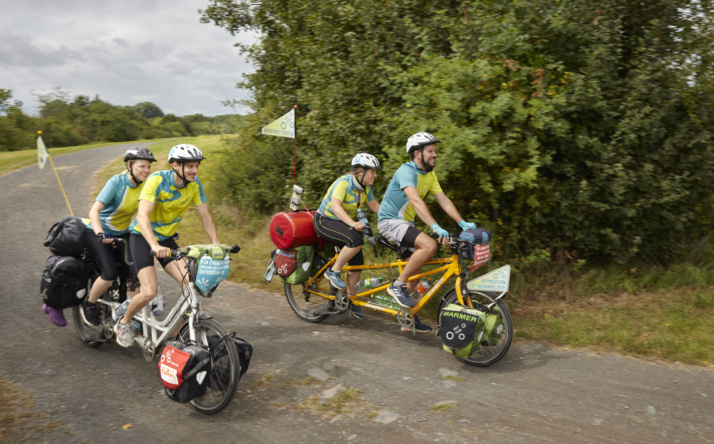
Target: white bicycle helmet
(185, 153)
(420, 140)
(365, 160)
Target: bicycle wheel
(94, 335)
(308, 307)
(225, 365)
(487, 353)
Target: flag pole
(43, 154)
(295, 139)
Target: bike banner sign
(211, 272)
(482, 254)
(496, 280)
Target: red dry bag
(290, 230)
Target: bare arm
(373, 206)
(336, 208)
(419, 206)
(448, 206)
(208, 225)
(94, 219)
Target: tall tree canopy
(566, 124)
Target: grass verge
(13, 160)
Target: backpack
(301, 267)
(184, 370)
(64, 282)
(463, 329)
(67, 237)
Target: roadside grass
(654, 313)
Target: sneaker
(418, 326)
(125, 337)
(335, 279)
(45, 309)
(357, 312)
(90, 313)
(57, 317)
(400, 295)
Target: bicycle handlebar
(182, 252)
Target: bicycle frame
(156, 332)
(451, 267)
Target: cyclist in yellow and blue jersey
(335, 219)
(164, 200)
(402, 202)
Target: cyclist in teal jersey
(335, 219)
(166, 197)
(110, 216)
(402, 202)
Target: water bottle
(157, 304)
(361, 217)
(121, 311)
(424, 286)
(385, 301)
(368, 284)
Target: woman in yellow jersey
(335, 219)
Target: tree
(148, 110)
(574, 125)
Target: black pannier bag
(67, 237)
(185, 370)
(222, 361)
(65, 281)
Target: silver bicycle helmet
(420, 140)
(185, 153)
(365, 160)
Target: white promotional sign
(496, 280)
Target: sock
(398, 283)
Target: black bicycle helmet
(138, 152)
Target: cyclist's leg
(102, 253)
(424, 249)
(338, 233)
(354, 275)
(177, 269)
(144, 263)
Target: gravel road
(406, 388)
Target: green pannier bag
(463, 329)
(303, 261)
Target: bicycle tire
(315, 310)
(221, 386)
(93, 335)
(485, 355)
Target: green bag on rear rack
(303, 261)
(463, 329)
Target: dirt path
(403, 388)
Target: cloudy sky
(125, 51)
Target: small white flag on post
(42, 153)
(282, 127)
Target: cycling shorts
(141, 252)
(107, 256)
(338, 233)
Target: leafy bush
(578, 126)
